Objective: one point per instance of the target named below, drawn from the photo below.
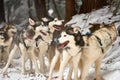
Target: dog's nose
(62, 22)
(56, 40)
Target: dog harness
(99, 40)
(67, 48)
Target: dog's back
(107, 34)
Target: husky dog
(95, 48)
(70, 42)
(25, 42)
(98, 43)
(44, 44)
(92, 49)
(6, 36)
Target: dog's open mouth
(62, 45)
(29, 36)
(43, 32)
(57, 27)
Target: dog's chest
(29, 43)
(73, 51)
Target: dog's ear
(76, 29)
(79, 39)
(56, 19)
(70, 30)
(31, 22)
(45, 19)
(6, 26)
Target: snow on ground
(110, 68)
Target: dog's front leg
(42, 62)
(66, 58)
(34, 61)
(85, 68)
(9, 59)
(53, 62)
(76, 60)
(69, 77)
(23, 52)
(97, 69)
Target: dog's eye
(65, 35)
(55, 20)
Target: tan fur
(45, 47)
(92, 52)
(25, 53)
(70, 56)
(4, 52)
(10, 31)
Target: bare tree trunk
(89, 5)
(40, 8)
(56, 10)
(70, 9)
(2, 13)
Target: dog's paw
(23, 72)
(4, 72)
(99, 78)
(32, 71)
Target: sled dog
(98, 43)
(44, 44)
(95, 48)
(6, 36)
(70, 42)
(25, 41)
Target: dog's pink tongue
(57, 27)
(28, 36)
(60, 46)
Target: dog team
(63, 46)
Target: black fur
(77, 36)
(79, 39)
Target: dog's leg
(34, 61)
(53, 62)
(69, 77)
(31, 65)
(9, 59)
(76, 60)
(23, 51)
(66, 58)
(6, 55)
(42, 62)
(85, 68)
(97, 69)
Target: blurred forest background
(17, 12)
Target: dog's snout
(56, 40)
(62, 22)
(31, 32)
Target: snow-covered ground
(110, 68)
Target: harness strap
(69, 48)
(37, 45)
(23, 40)
(99, 40)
